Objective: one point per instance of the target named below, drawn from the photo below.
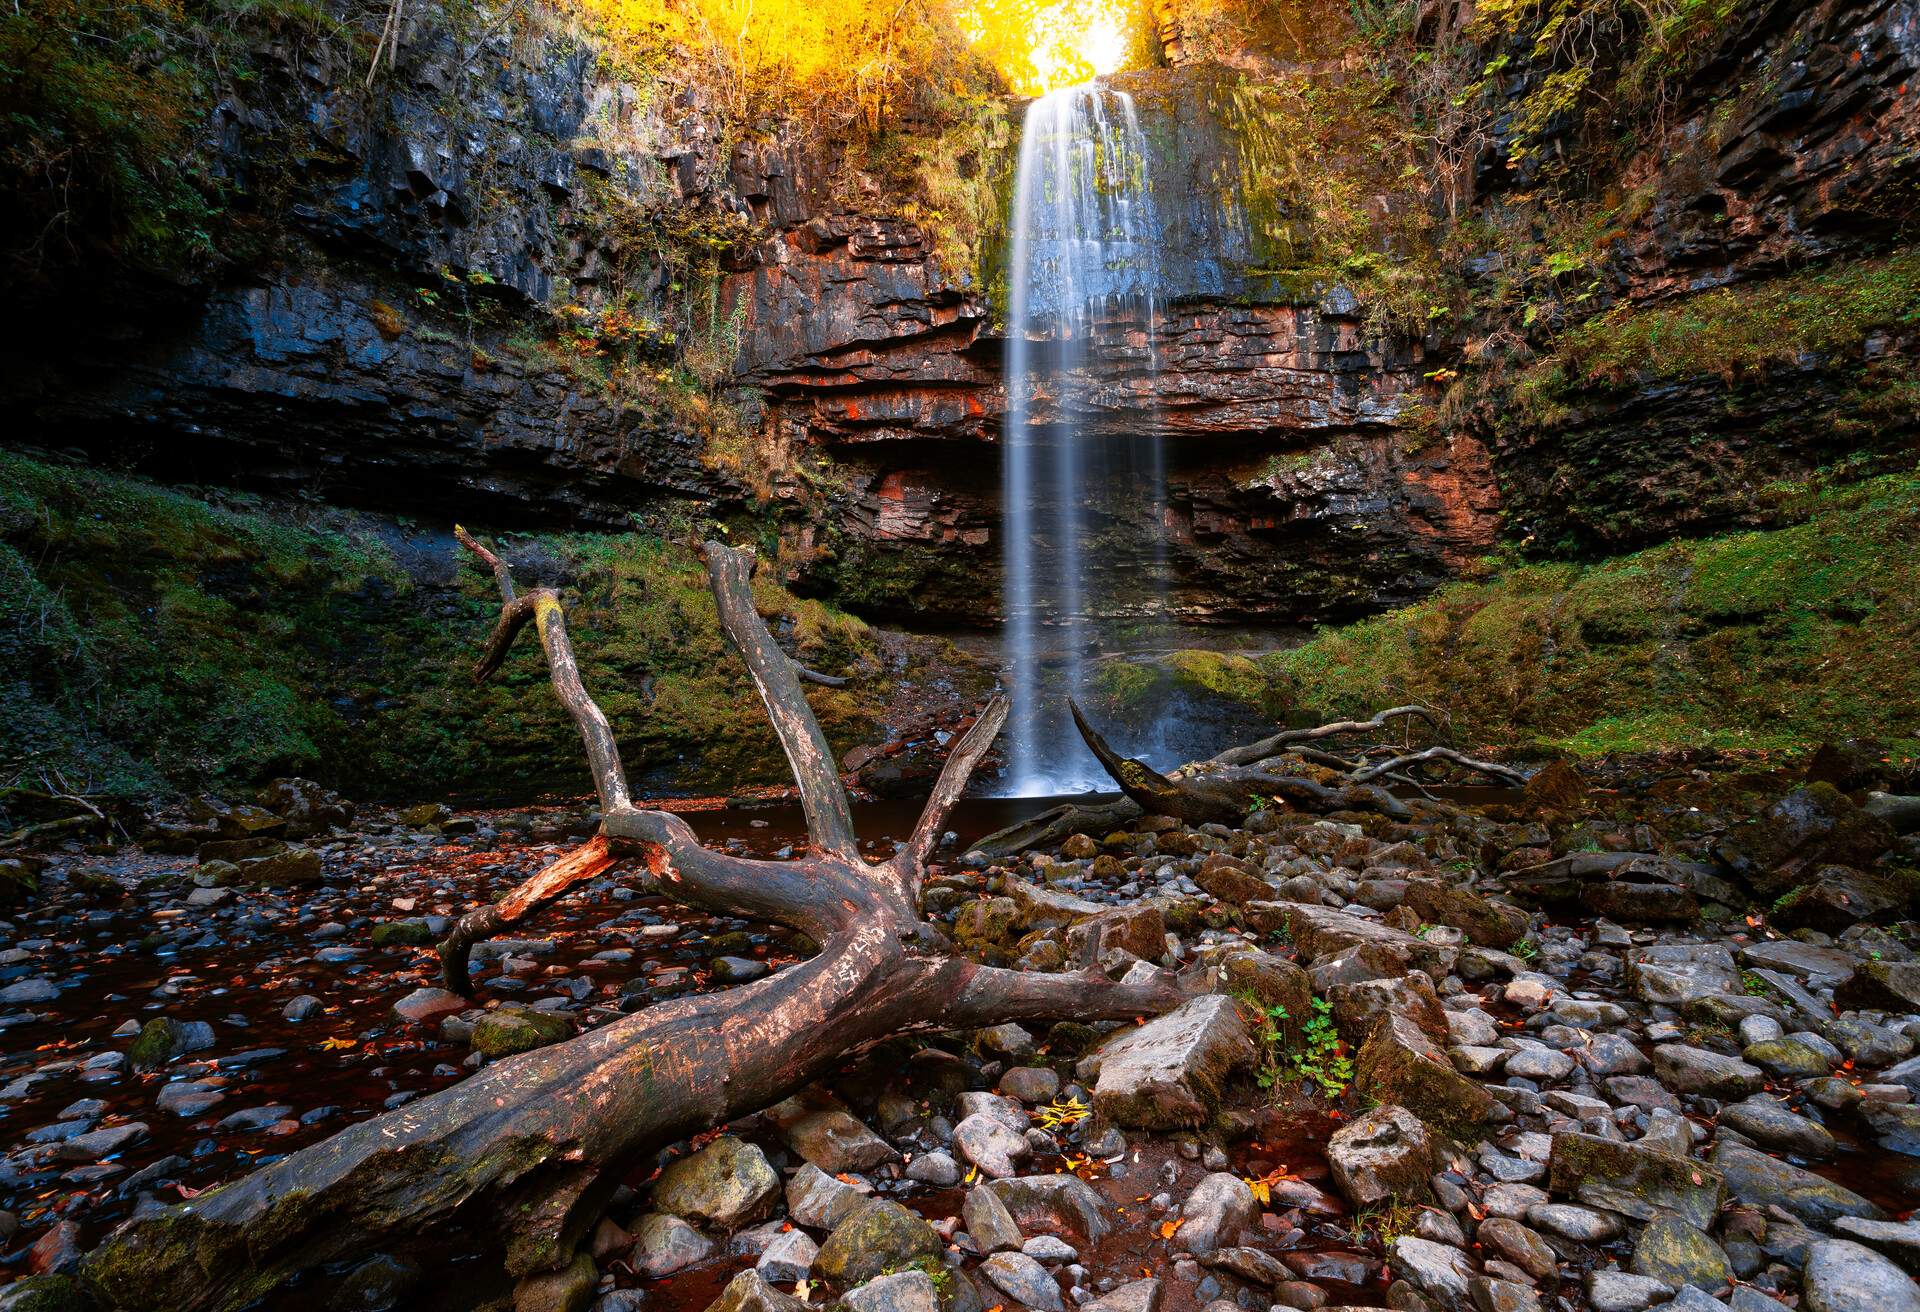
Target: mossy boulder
(1488, 924)
(880, 1237)
(1639, 1182)
(44, 1294)
(1880, 986)
(19, 879)
(510, 1030)
(1761, 1181)
(403, 933)
(988, 922)
(162, 1039)
(728, 1184)
(290, 865)
(424, 816)
(1810, 825)
(1678, 1253)
(567, 1290)
(1400, 1065)
(1270, 982)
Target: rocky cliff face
(390, 340)
(442, 244)
(1292, 494)
(1793, 145)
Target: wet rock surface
(1361, 1105)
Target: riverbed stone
(1622, 1291)
(1441, 1272)
(1636, 1181)
(1687, 1069)
(423, 1006)
(1488, 924)
(881, 1236)
(1171, 1072)
(1675, 973)
(1843, 1276)
(1759, 1180)
(1768, 1122)
(816, 1199)
(1385, 1153)
(1509, 1239)
(1219, 1207)
(567, 1290)
(991, 1146)
(836, 1141)
(1023, 1280)
(1399, 1064)
(749, 1292)
(990, 1225)
(727, 1184)
(664, 1243)
(1678, 1253)
(1055, 1202)
(788, 1257)
(903, 1291)
(1134, 1296)
(1788, 1058)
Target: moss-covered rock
(881, 1236)
(1627, 1178)
(1678, 1253)
(728, 1183)
(153, 639)
(43, 1294)
(517, 1029)
(567, 1290)
(402, 933)
(1398, 1064)
(1779, 639)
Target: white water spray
(1083, 261)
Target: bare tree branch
(824, 801)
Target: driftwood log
(1224, 788)
(518, 1162)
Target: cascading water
(1083, 277)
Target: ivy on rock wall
(151, 638)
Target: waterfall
(1082, 276)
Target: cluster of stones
(1589, 1067)
(1549, 1107)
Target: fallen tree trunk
(1224, 794)
(521, 1159)
(1225, 787)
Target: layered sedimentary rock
(1292, 494)
(1793, 144)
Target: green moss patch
(151, 639)
(1773, 640)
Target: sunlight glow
(1043, 45)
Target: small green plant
(1753, 986)
(936, 1271)
(1266, 1033)
(1525, 949)
(1323, 1057)
(1383, 1222)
